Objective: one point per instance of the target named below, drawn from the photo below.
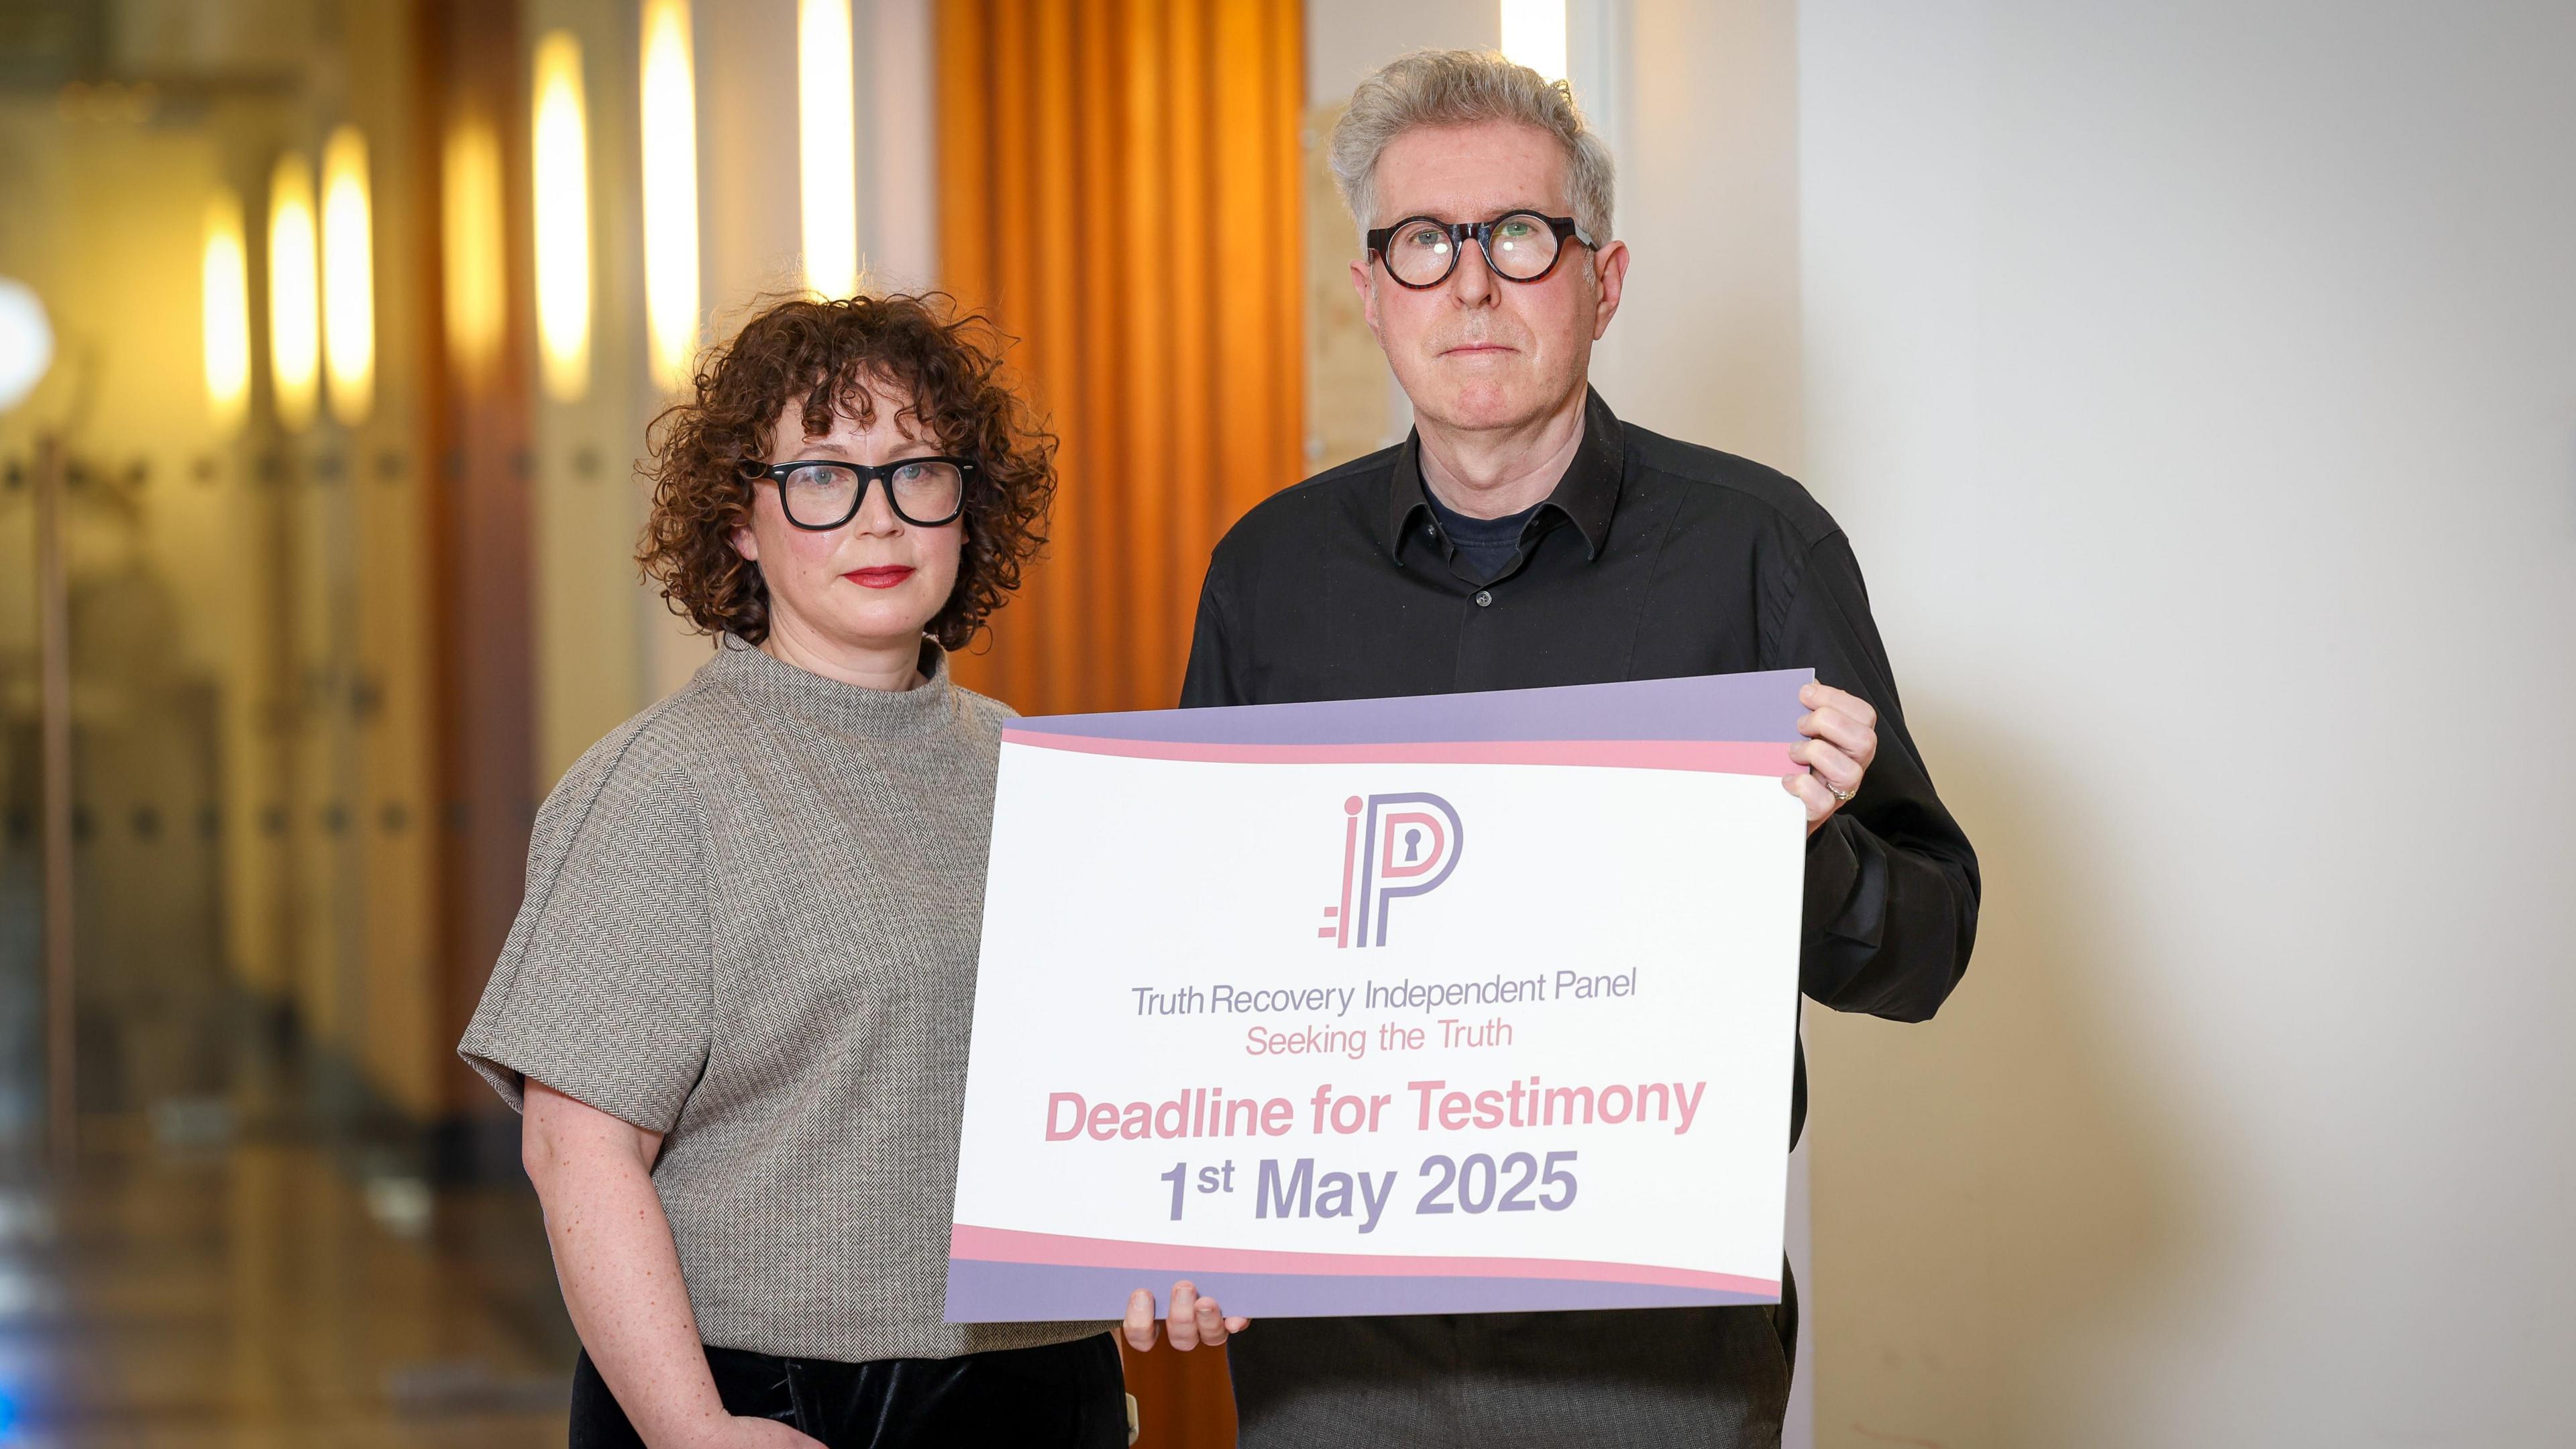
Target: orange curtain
(1119, 190)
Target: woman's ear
(747, 543)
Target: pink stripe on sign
(1713, 757)
(1010, 1245)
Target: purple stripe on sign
(985, 1292)
(1739, 707)
(1176, 1260)
(1721, 757)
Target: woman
(734, 1007)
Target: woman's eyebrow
(900, 448)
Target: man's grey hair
(1465, 88)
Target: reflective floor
(271, 1293)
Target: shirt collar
(1587, 495)
(782, 691)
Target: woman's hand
(621, 1275)
(1194, 1320)
(748, 1433)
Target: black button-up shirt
(1652, 559)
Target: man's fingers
(1212, 1329)
(1819, 801)
(1844, 731)
(1183, 1326)
(1825, 696)
(1237, 1325)
(1837, 769)
(1140, 1321)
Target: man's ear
(1364, 282)
(1611, 275)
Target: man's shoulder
(1349, 491)
(1723, 479)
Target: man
(1524, 536)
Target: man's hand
(1194, 1320)
(1841, 739)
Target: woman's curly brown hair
(916, 347)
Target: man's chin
(1481, 408)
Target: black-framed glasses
(820, 494)
(1520, 246)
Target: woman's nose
(876, 513)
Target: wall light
(348, 277)
(1534, 35)
(227, 315)
(561, 170)
(827, 146)
(26, 342)
(294, 291)
(670, 146)
(470, 233)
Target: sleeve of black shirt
(1214, 674)
(1891, 907)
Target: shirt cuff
(1833, 871)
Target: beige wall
(2196, 380)
(1705, 111)
(2195, 384)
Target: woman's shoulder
(985, 710)
(984, 713)
(643, 761)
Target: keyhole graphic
(1412, 846)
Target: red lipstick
(879, 578)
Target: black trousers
(1063, 1396)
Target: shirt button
(1484, 598)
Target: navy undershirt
(1483, 547)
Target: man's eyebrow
(1534, 208)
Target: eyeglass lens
(826, 495)
(1522, 247)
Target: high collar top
(780, 689)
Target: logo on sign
(1393, 846)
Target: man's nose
(1473, 281)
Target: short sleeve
(604, 989)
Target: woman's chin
(893, 625)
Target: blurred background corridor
(2168, 364)
(316, 570)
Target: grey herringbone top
(751, 924)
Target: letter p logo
(1394, 846)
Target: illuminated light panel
(670, 147)
(827, 146)
(348, 278)
(470, 230)
(1534, 35)
(227, 315)
(560, 166)
(294, 293)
